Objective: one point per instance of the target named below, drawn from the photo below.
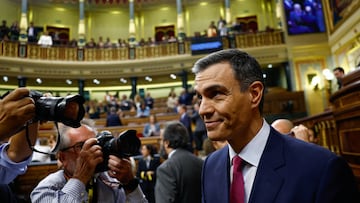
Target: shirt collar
(171, 153)
(252, 152)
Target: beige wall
(9, 11)
(108, 24)
(55, 16)
(162, 16)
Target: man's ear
(256, 91)
(61, 157)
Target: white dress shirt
(251, 155)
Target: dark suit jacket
(186, 120)
(179, 179)
(290, 171)
(148, 183)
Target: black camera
(125, 145)
(68, 110)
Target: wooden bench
(161, 117)
(24, 184)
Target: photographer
(78, 181)
(16, 109)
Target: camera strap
(91, 189)
(32, 147)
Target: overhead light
(60, 9)
(69, 82)
(264, 75)
(5, 78)
(328, 74)
(123, 80)
(148, 78)
(173, 76)
(270, 65)
(96, 81)
(38, 80)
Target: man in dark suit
(185, 119)
(32, 33)
(275, 168)
(178, 179)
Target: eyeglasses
(77, 147)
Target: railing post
(181, 47)
(80, 54)
(132, 53)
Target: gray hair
(64, 140)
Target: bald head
(284, 126)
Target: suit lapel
(267, 181)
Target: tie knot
(237, 162)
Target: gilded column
(81, 32)
(227, 11)
(180, 21)
(132, 38)
(23, 23)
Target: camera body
(125, 145)
(69, 110)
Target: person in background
(45, 40)
(43, 146)
(152, 128)
(143, 110)
(212, 30)
(4, 31)
(79, 180)
(147, 171)
(273, 168)
(14, 31)
(92, 109)
(178, 179)
(113, 118)
(339, 74)
(186, 121)
(32, 33)
(149, 101)
(286, 127)
(200, 128)
(172, 102)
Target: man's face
(76, 136)
(338, 74)
(225, 110)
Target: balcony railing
(64, 53)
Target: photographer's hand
(89, 157)
(16, 109)
(120, 169)
(303, 133)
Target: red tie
(237, 191)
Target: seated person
(152, 128)
(113, 118)
(78, 180)
(143, 110)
